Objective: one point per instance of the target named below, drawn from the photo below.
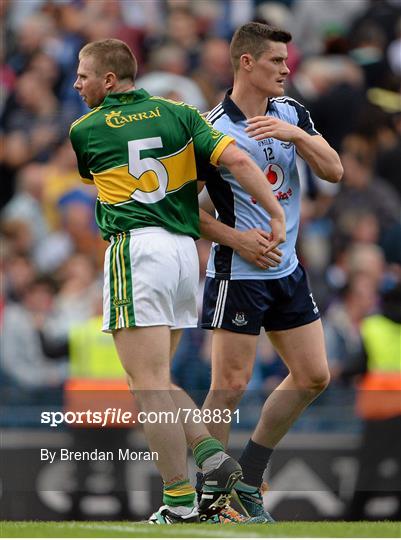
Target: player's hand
(278, 233)
(271, 259)
(263, 127)
(255, 247)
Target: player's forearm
(322, 158)
(252, 179)
(218, 232)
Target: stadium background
(345, 63)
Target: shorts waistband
(144, 230)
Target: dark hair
(111, 55)
(391, 303)
(251, 38)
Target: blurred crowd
(345, 61)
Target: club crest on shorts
(119, 302)
(239, 319)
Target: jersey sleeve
(79, 146)
(304, 119)
(209, 143)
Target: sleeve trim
(84, 117)
(219, 148)
(87, 180)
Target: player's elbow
(234, 158)
(241, 160)
(334, 174)
(337, 173)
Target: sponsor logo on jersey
(284, 195)
(287, 145)
(275, 176)
(239, 319)
(116, 119)
(118, 302)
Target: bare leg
(175, 337)
(194, 431)
(145, 355)
(233, 356)
(303, 351)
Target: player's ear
(110, 80)
(246, 61)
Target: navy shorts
(246, 305)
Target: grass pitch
(126, 529)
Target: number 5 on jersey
(150, 174)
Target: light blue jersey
(237, 208)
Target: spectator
(26, 205)
(29, 358)
(32, 121)
(342, 94)
(365, 258)
(76, 299)
(343, 320)
(169, 58)
(314, 20)
(368, 51)
(60, 178)
(360, 189)
(182, 29)
(19, 272)
(173, 86)
(379, 405)
(214, 73)
(31, 37)
(384, 13)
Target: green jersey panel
(143, 153)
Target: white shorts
(151, 278)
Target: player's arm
(78, 144)
(314, 149)
(252, 245)
(252, 179)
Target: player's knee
(232, 396)
(151, 380)
(233, 387)
(237, 386)
(321, 382)
(315, 382)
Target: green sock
(179, 494)
(205, 449)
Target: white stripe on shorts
(220, 304)
(121, 323)
(106, 287)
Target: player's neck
(251, 103)
(123, 86)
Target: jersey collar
(230, 108)
(121, 98)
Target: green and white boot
(166, 516)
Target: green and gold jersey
(143, 153)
